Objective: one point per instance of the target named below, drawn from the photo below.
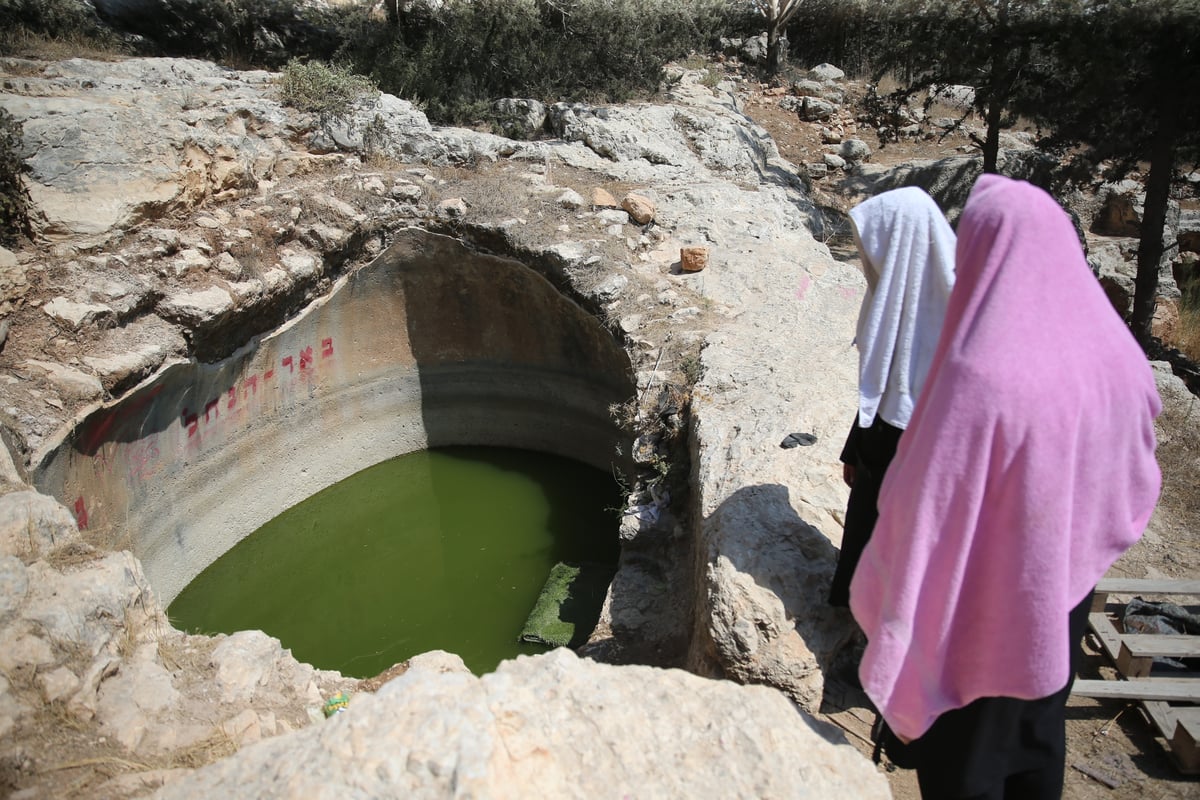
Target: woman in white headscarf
(907, 253)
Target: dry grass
(72, 554)
(25, 44)
(1186, 335)
(257, 254)
(206, 751)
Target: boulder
(520, 119)
(552, 725)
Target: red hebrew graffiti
(81, 514)
(142, 459)
(191, 422)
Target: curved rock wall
(429, 345)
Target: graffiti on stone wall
(141, 460)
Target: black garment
(996, 748)
(869, 451)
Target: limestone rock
(826, 72)
(958, 97)
(602, 198)
(809, 109)
(299, 262)
(1120, 209)
(82, 607)
(520, 119)
(571, 199)
(11, 708)
(76, 315)
(32, 524)
(452, 208)
(58, 684)
(14, 583)
(99, 162)
(130, 702)
(196, 308)
(552, 726)
(640, 208)
(132, 352)
(25, 650)
(855, 150)
(69, 381)
(244, 661)
(14, 282)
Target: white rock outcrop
(552, 725)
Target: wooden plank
(1184, 744)
(1106, 632)
(1188, 715)
(1167, 689)
(1163, 716)
(1142, 645)
(1147, 586)
(1132, 666)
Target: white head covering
(908, 257)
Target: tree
(994, 46)
(777, 13)
(1124, 90)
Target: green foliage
(457, 59)
(59, 20)
(14, 199)
(848, 33)
(1117, 105)
(322, 89)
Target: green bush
(323, 89)
(14, 198)
(73, 21)
(456, 59)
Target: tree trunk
(1154, 220)
(991, 144)
(774, 54)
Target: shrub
(456, 58)
(26, 25)
(14, 198)
(323, 89)
(1188, 333)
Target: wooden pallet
(1169, 703)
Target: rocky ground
(105, 699)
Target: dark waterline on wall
(445, 549)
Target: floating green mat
(567, 609)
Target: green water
(444, 549)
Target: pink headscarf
(1027, 469)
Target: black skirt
(869, 451)
(996, 748)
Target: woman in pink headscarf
(1027, 469)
